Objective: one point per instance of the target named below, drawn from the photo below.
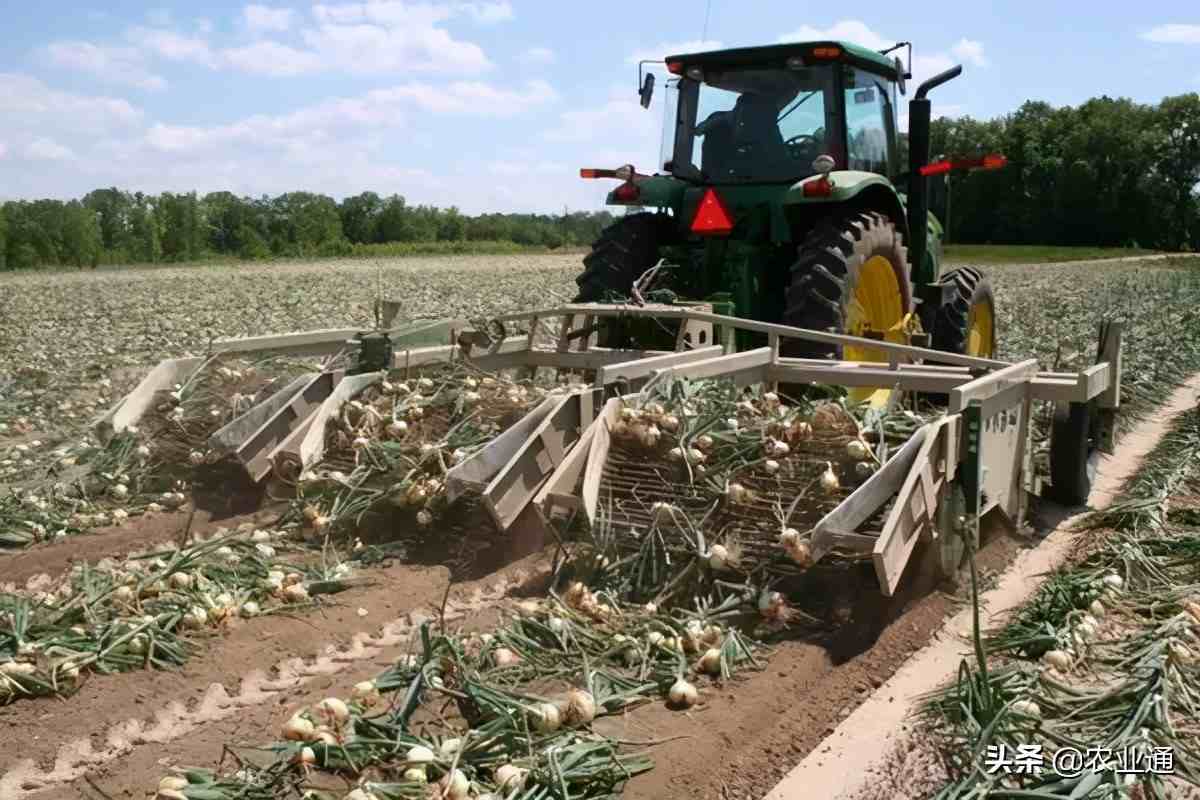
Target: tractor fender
(655, 191)
(867, 191)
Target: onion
(424, 518)
(770, 398)
(299, 729)
(698, 457)
(771, 466)
(720, 559)
(579, 708)
(170, 794)
(857, 450)
(397, 429)
(704, 442)
(450, 746)
(670, 422)
(1027, 708)
(675, 454)
(415, 775)
(710, 662)
(649, 436)
(505, 657)
(1097, 610)
(250, 609)
(775, 447)
(683, 694)
(556, 624)
(305, 758)
(333, 711)
(663, 513)
(419, 754)
(365, 694)
(1058, 659)
(124, 594)
(546, 717)
(455, 785)
(174, 782)
(509, 776)
(1192, 608)
(359, 794)
(829, 479)
(736, 493)
(1114, 581)
(295, 593)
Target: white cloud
(266, 18)
(1173, 33)
(325, 123)
(514, 168)
(664, 49)
(45, 149)
(25, 101)
(271, 58)
(204, 25)
(119, 65)
(3, 149)
(847, 30)
(390, 47)
(173, 46)
(537, 55)
(970, 51)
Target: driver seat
(756, 136)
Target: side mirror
(900, 74)
(647, 90)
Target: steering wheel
(796, 145)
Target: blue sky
(482, 104)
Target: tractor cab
(780, 197)
(764, 114)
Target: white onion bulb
(455, 785)
(509, 777)
(579, 708)
(829, 479)
(710, 662)
(857, 450)
(683, 694)
(1058, 659)
(546, 717)
(299, 729)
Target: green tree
(360, 217)
(1178, 164)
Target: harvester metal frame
(550, 463)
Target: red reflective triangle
(711, 215)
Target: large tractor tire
(967, 324)
(850, 275)
(623, 251)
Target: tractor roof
(767, 54)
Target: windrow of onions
(147, 610)
(522, 699)
(390, 447)
(1107, 651)
(146, 469)
(737, 480)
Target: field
(216, 695)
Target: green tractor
(779, 200)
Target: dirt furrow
(238, 689)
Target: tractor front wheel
(850, 276)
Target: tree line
(1109, 172)
(111, 226)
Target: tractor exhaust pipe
(918, 184)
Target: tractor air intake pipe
(918, 184)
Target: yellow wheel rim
(981, 330)
(875, 305)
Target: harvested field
(248, 673)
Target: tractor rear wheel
(850, 276)
(967, 324)
(623, 251)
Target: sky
(489, 105)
